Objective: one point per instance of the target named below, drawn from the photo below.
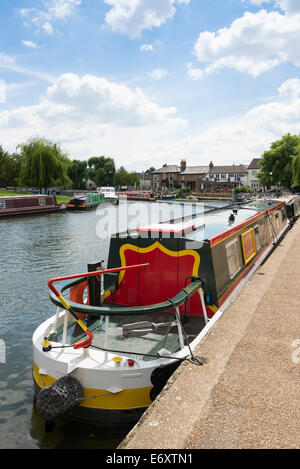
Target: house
(192, 176)
(145, 181)
(226, 177)
(253, 169)
(166, 178)
(199, 178)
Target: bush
(241, 189)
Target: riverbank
(246, 394)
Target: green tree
(121, 177)
(125, 178)
(278, 161)
(150, 170)
(44, 165)
(101, 170)
(10, 165)
(296, 170)
(77, 172)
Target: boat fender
(76, 296)
(57, 399)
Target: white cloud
(290, 87)
(30, 44)
(131, 17)
(158, 73)
(8, 62)
(42, 19)
(288, 6)
(146, 47)
(254, 43)
(89, 114)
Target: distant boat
(109, 194)
(29, 205)
(86, 201)
(138, 195)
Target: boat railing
(106, 310)
(65, 304)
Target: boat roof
(210, 225)
(29, 196)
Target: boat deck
(212, 223)
(149, 344)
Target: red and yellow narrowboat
(120, 332)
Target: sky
(149, 82)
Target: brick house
(166, 178)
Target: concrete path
(247, 394)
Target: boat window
(2, 204)
(233, 257)
(42, 201)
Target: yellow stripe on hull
(103, 399)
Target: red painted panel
(128, 293)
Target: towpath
(247, 394)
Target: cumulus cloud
(42, 19)
(90, 113)
(290, 87)
(131, 17)
(158, 73)
(253, 43)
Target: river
(33, 250)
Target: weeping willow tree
(296, 170)
(44, 165)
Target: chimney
(182, 165)
(165, 165)
(211, 165)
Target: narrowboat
(120, 332)
(146, 196)
(29, 205)
(86, 201)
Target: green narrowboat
(86, 201)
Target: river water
(34, 249)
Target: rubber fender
(57, 399)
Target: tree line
(42, 164)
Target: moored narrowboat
(86, 201)
(146, 196)
(29, 205)
(163, 288)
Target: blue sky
(149, 82)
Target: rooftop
(172, 168)
(254, 163)
(195, 170)
(239, 168)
